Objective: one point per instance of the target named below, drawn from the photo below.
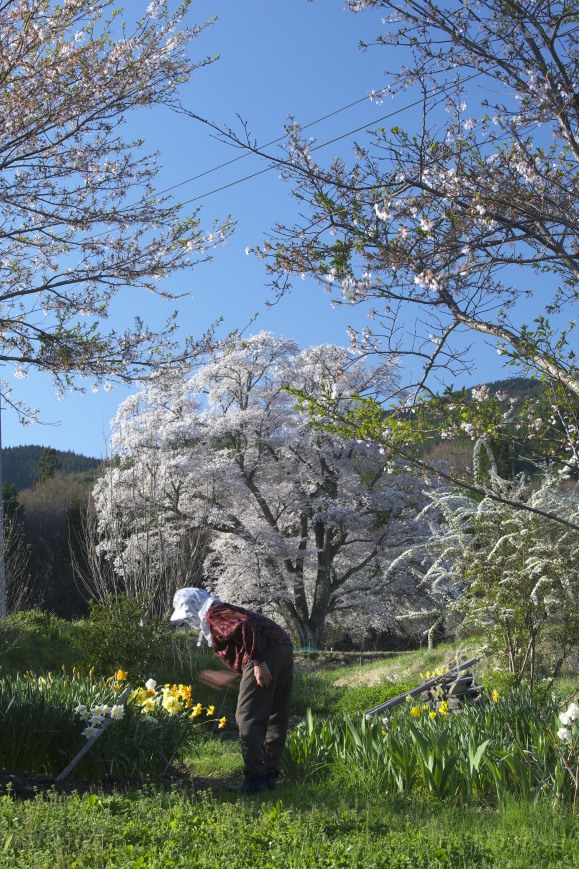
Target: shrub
(119, 636)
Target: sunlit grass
(298, 827)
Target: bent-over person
(261, 652)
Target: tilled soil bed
(25, 786)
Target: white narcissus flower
(565, 734)
(88, 732)
(564, 718)
(80, 709)
(117, 712)
(150, 684)
(96, 719)
(573, 712)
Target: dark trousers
(263, 713)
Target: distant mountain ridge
(20, 464)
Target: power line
(397, 111)
(266, 145)
(317, 147)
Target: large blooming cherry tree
(303, 522)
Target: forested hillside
(20, 465)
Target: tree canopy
(303, 522)
(80, 218)
(449, 227)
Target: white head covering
(190, 605)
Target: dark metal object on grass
(451, 676)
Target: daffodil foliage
(79, 218)
(302, 521)
(451, 223)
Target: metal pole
(395, 701)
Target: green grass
(343, 820)
(296, 827)
(39, 642)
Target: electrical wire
(316, 147)
(266, 145)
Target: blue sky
(276, 59)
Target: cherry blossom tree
(303, 522)
(448, 228)
(80, 220)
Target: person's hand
(219, 679)
(262, 674)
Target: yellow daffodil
(172, 705)
(415, 711)
(443, 708)
(197, 710)
(139, 696)
(432, 714)
(495, 695)
(211, 710)
(222, 722)
(121, 675)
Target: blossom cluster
(152, 701)
(174, 699)
(95, 716)
(568, 718)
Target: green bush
(118, 635)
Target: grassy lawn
(296, 826)
(344, 819)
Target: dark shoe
(253, 784)
(271, 778)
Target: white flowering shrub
(507, 572)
